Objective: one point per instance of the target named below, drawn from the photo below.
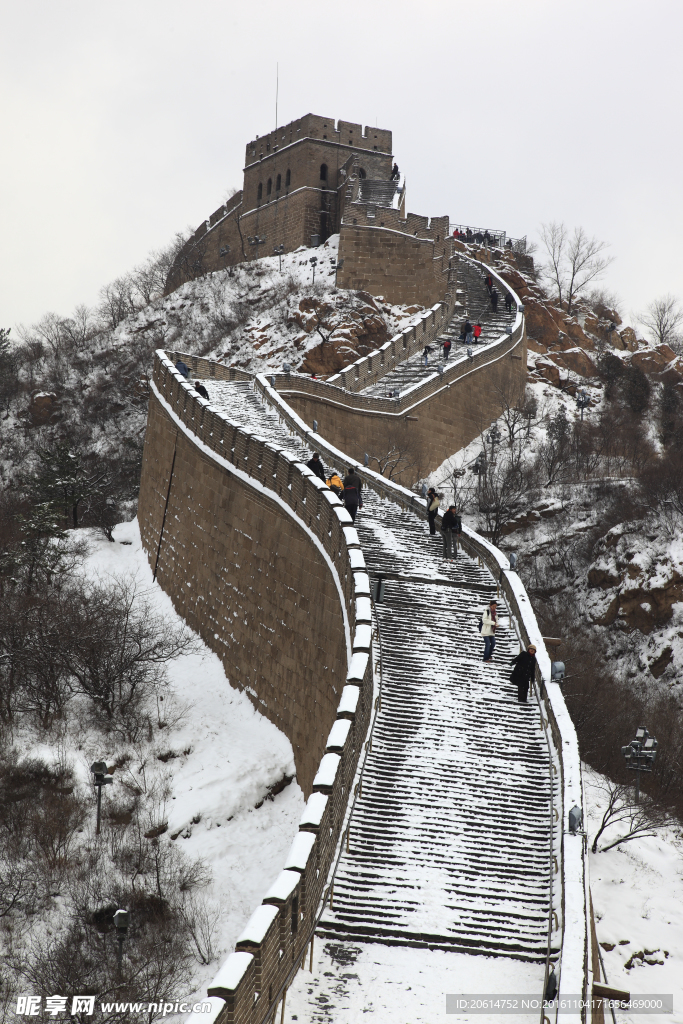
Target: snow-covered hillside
(271, 311)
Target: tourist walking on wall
(336, 484)
(201, 390)
(316, 465)
(432, 509)
(182, 368)
(425, 353)
(353, 498)
(523, 672)
(477, 333)
(508, 302)
(468, 331)
(488, 281)
(451, 529)
(489, 625)
(446, 349)
(494, 300)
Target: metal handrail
(551, 911)
(496, 238)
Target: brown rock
(540, 324)
(43, 406)
(629, 339)
(549, 371)
(649, 361)
(578, 335)
(645, 609)
(577, 360)
(672, 374)
(659, 666)
(536, 346)
(667, 352)
(610, 615)
(516, 281)
(602, 578)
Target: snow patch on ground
(380, 983)
(235, 755)
(637, 891)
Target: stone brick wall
(230, 525)
(427, 425)
(246, 575)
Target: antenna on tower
(277, 89)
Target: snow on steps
(455, 808)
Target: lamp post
(278, 251)
(479, 467)
(313, 260)
(256, 240)
(101, 777)
(493, 437)
(640, 755)
(121, 922)
(582, 401)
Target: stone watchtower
(295, 177)
(295, 185)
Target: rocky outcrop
(345, 334)
(43, 408)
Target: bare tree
(636, 821)
(400, 456)
(662, 320)
(503, 488)
(574, 260)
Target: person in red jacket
(477, 332)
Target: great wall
(328, 625)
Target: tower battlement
(346, 134)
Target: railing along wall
(275, 940)
(568, 862)
(423, 330)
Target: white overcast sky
(122, 122)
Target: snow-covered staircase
(449, 839)
(477, 307)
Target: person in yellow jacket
(335, 484)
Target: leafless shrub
(116, 649)
(635, 821)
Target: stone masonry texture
(251, 582)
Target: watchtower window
(361, 172)
(278, 183)
(259, 194)
(288, 178)
(269, 186)
(323, 172)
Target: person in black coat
(352, 496)
(451, 531)
(201, 390)
(494, 300)
(523, 672)
(316, 465)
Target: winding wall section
(260, 557)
